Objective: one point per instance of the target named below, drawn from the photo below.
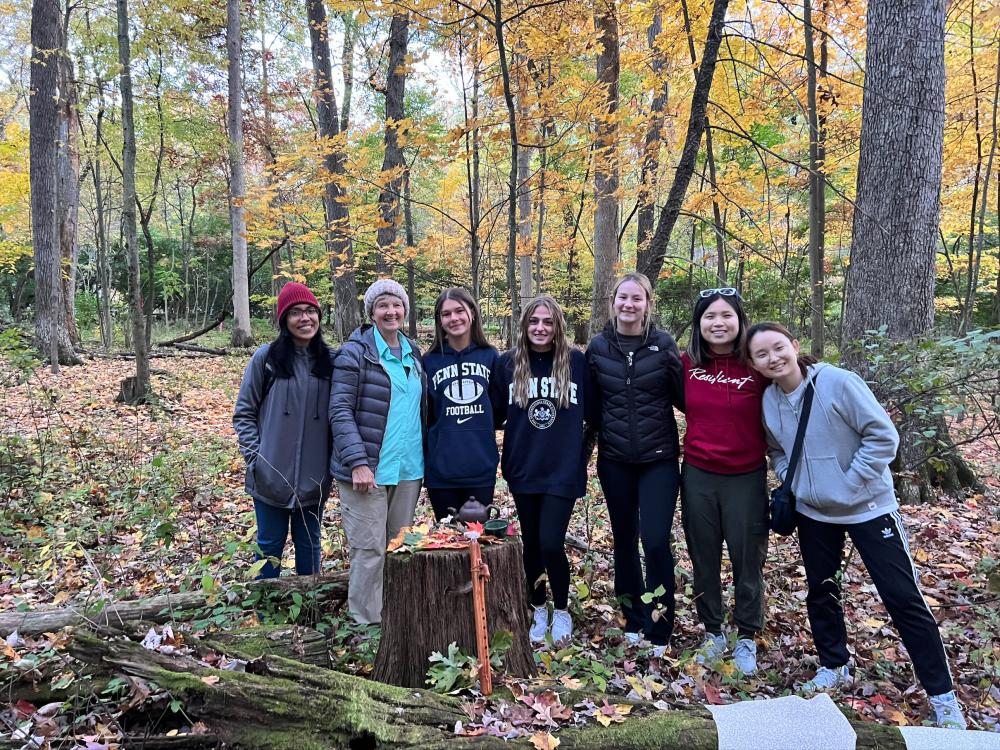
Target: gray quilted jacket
(359, 403)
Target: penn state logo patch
(542, 414)
(463, 391)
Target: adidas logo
(887, 533)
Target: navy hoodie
(461, 439)
(544, 448)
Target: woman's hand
(363, 479)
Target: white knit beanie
(385, 286)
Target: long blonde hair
(561, 373)
(643, 281)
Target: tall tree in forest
(135, 389)
(338, 237)
(51, 333)
(650, 261)
(606, 167)
(524, 205)
(817, 179)
(892, 273)
(392, 161)
(69, 178)
(241, 334)
(645, 211)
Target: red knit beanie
(293, 294)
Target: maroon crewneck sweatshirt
(725, 433)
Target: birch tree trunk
(606, 167)
(241, 334)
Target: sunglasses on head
(725, 291)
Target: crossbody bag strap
(800, 434)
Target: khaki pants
(371, 519)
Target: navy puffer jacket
(637, 396)
(359, 403)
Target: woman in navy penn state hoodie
(461, 460)
(544, 397)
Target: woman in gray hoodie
(284, 435)
(843, 487)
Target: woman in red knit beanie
(280, 420)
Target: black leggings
(544, 520)
(641, 500)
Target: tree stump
(427, 604)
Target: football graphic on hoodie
(463, 391)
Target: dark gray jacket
(284, 434)
(359, 403)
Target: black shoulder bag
(784, 517)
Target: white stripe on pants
(371, 519)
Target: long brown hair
(462, 295)
(804, 360)
(561, 373)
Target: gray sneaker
(712, 648)
(745, 656)
(539, 624)
(828, 679)
(948, 711)
(562, 626)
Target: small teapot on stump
(473, 511)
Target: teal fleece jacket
(843, 474)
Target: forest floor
(108, 502)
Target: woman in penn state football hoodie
(542, 392)
(724, 475)
(462, 455)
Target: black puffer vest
(637, 393)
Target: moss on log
(300, 706)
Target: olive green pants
(717, 508)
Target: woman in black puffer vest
(637, 371)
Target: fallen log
(287, 704)
(196, 348)
(166, 607)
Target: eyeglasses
(725, 291)
(300, 312)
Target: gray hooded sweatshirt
(284, 436)
(843, 473)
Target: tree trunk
(339, 247)
(606, 167)
(419, 587)
(51, 334)
(508, 95)
(69, 181)
(645, 213)
(139, 385)
(392, 162)
(472, 171)
(241, 333)
(347, 65)
(897, 208)
(410, 242)
(817, 185)
(651, 262)
(286, 703)
(524, 215)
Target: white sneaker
(948, 711)
(562, 625)
(828, 679)
(712, 648)
(539, 624)
(745, 656)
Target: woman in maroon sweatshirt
(724, 475)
